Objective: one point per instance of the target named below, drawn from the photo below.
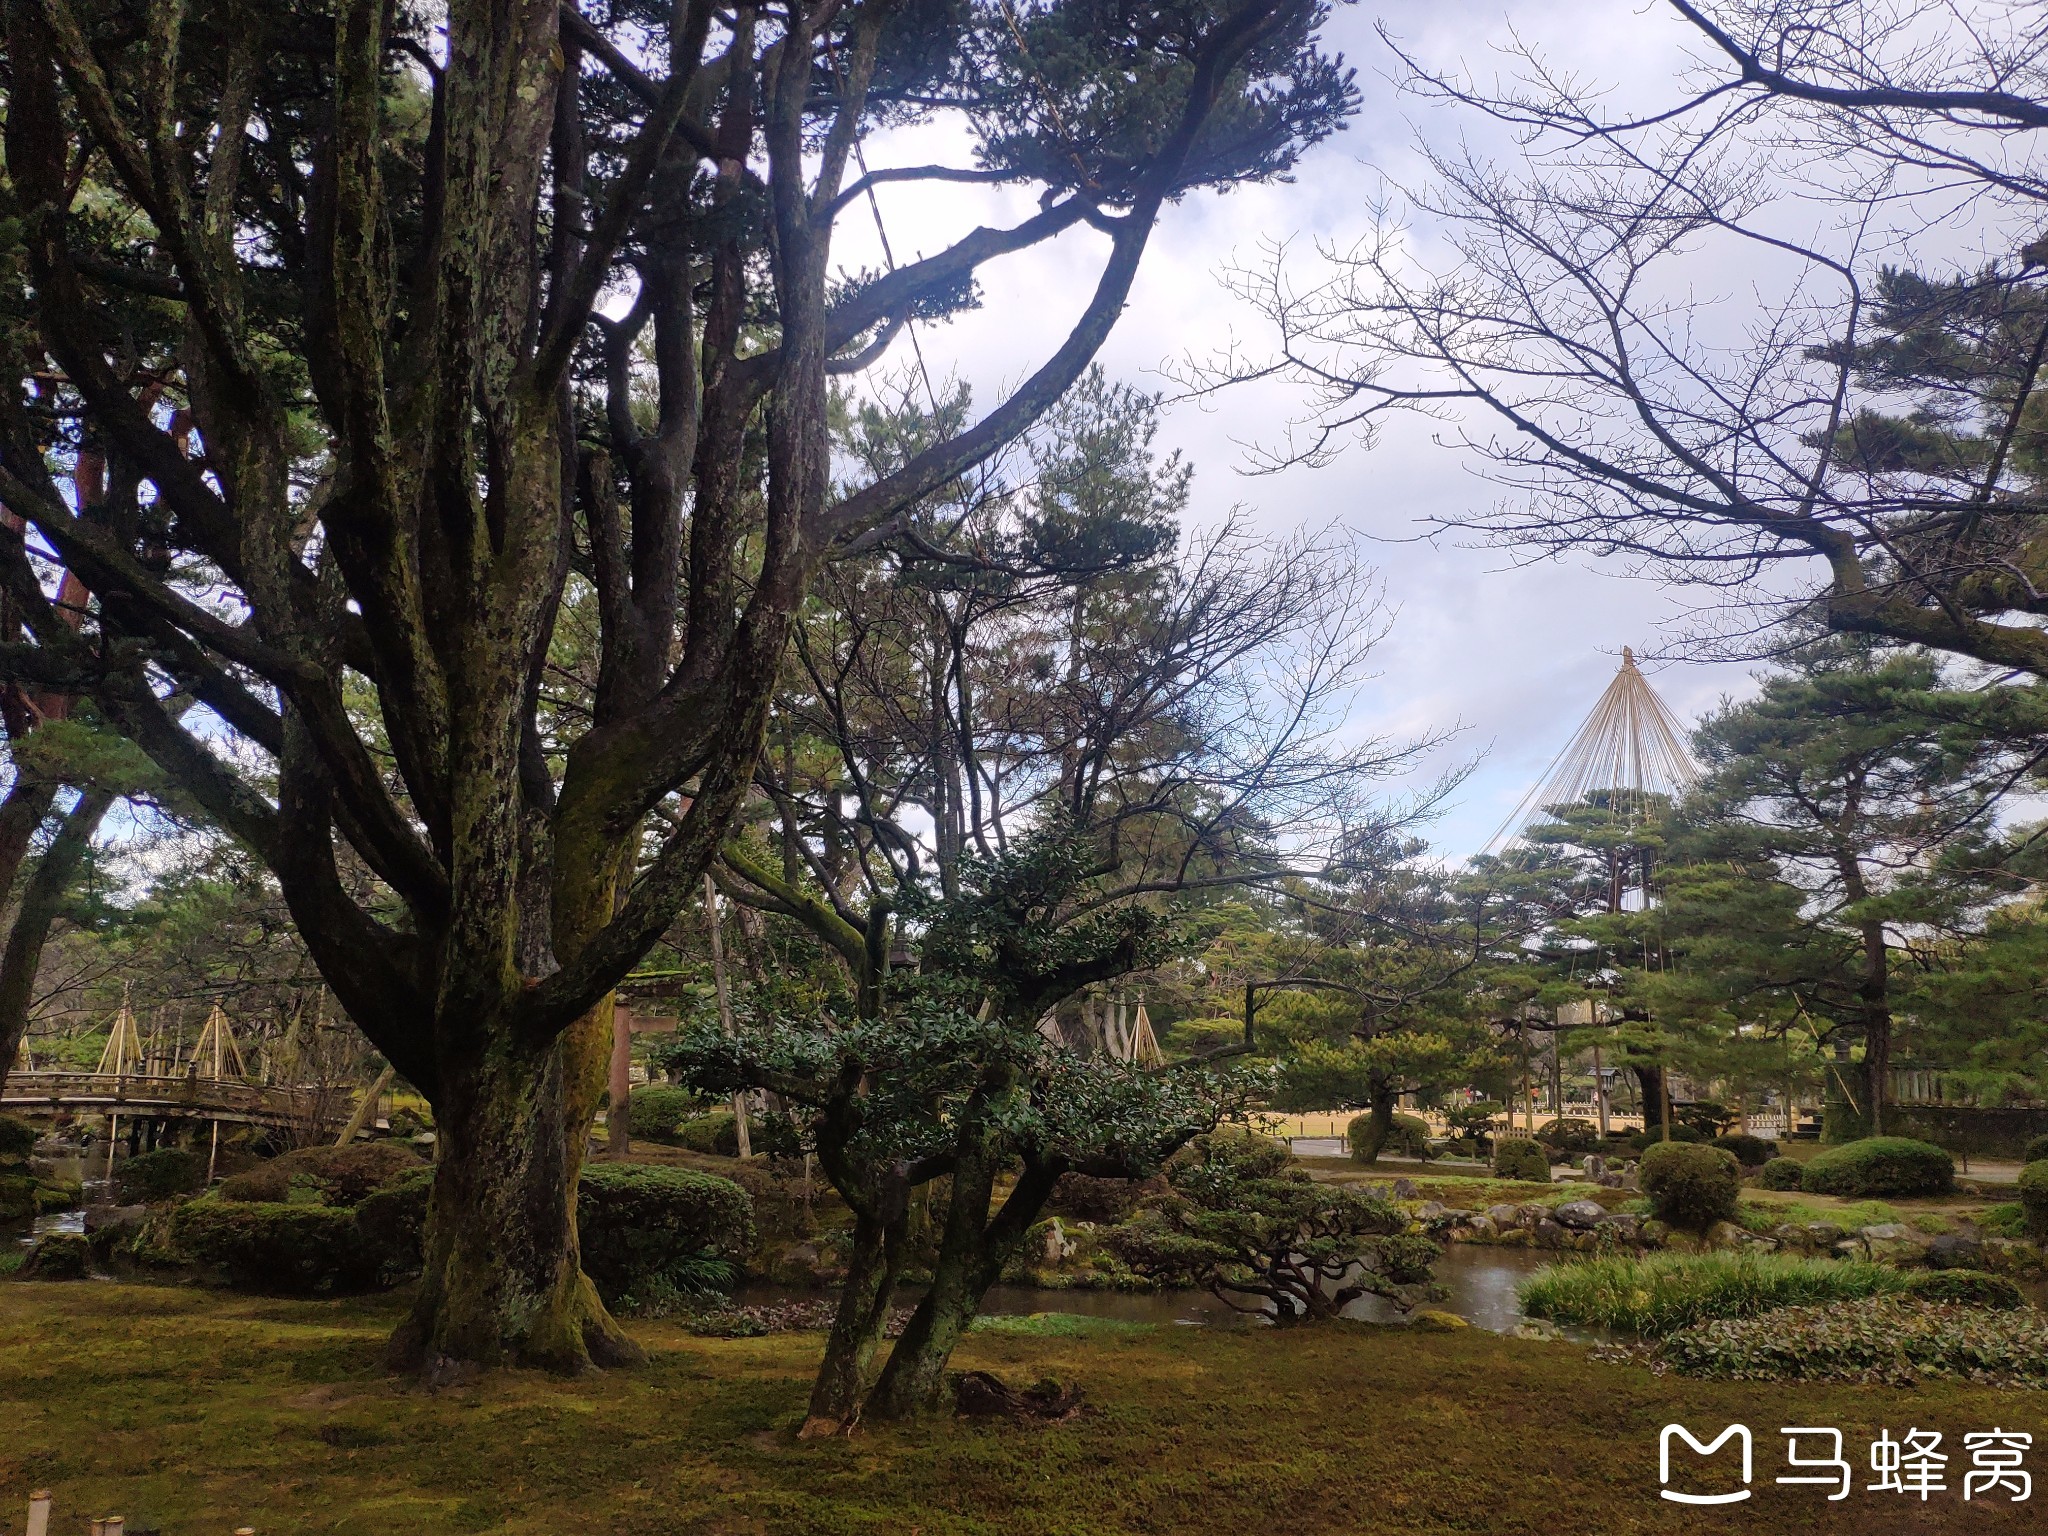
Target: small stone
(1791, 1235)
(1580, 1215)
(1654, 1232)
(1504, 1216)
(1404, 1189)
(1550, 1235)
(1430, 1210)
(1482, 1229)
(1886, 1232)
(1823, 1234)
(1953, 1250)
(59, 1256)
(1725, 1234)
(1610, 1181)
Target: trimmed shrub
(2037, 1151)
(294, 1250)
(1897, 1341)
(1080, 1197)
(59, 1256)
(648, 1232)
(1750, 1151)
(1690, 1186)
(2034, 1198)
(1966, 1288)
(392, 1221)
(716, 1134)
(17, 1139)
(1516, 1157)
(323, 1175)
(1661, 1292)
(1569, 1137)
(1643, 1140)
(158, 1175)
(1881, 1165)
(1781, 1173)
(654, 1108)
(1408, 1137)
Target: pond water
(86, 1168)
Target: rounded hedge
(1690, 1186)
(260, 1245)
(717, 1133)
(1517, 1157)
(647, 1230)
(323, 1175)
(1781, 1173)
(1879, 1166)
(1967, 1288)
(17, 1139)
(1750, 1151)
(654, 1109)
(2037, 1151)
(1408, 1137)
(2034, 1197)
(1570, 1136)
(152, 1176)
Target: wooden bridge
(185, 1096)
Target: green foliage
(2033, 1187)
(717, 1133)
(1517, 1157)
(655, 1109)
(323, 1175)
(1660, 1292)
(17, 1139)
(59, 1256)
(159, 1175)
(1057, 1325)
(1570, 1136)
(295, 1250)
(1750, 1151)
(1408, 1136)
(1966, 1288)
(1690, 1186)
(2006, 1219)
(1782, 1173)
(1881, 1165)
(392, 1221)
(1245, 1224)
(1893, 1340)
(2037, 1151)
(651, 1232)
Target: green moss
(1056, 1325)
(195, 1411)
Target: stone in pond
(1429, 1320)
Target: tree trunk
(972, 1252)
(872, 1271)
(40, 900)
(1651, 1081)
(1379, 1124)
(502, 1282)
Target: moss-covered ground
(194, 1413)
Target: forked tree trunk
(502, 1283)
(1380, 1125)
(873, 1269)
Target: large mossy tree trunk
(502, 1281)
(874, 1266)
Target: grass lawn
(195, 1413)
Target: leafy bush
(1570, 1137)
(1078, 1197)
(1750, 1151)
(1893, 1340)
(648, 1232)
(1965, 1288)
(159, 1175)
(1781, 1173)
(2034, 1198)
(1516, 1157)
(1704, 1117)
(298, 1250)
(323, 1175)
(1690, 1186)
(1664, 1291)
(1652, 1136)
(2006, 1219)
(1881, 1165)
(17, 1139)
(1247, 1225)
(717, 1133)
(59, 1256)
(2037, 1151)
(392, 1221)
(654, 1110)
(1408, 1137)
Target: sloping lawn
(194, 1413)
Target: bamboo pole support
(366, 1108)
(39, 1513)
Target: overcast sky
(1514, 657)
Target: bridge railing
(182, 1091)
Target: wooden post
(739, 1100)
(1600, 1092)
(39, 1513)
(366, 1109)
(618, 1119)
